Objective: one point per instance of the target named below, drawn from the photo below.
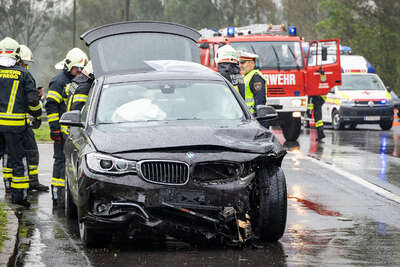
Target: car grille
(365, 103)
(208, 172)
(164, 172)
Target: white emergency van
(361, 99)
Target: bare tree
(28, 21)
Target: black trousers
(32, 153)
(32, 156)
(58, 179)
(17, 160)
(318, 101)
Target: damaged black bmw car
(166, 145)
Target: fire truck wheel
(291, 127)
(336, 121)
(270, 209)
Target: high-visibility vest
(247, 78)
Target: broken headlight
(102, 163)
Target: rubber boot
(321, 134)
(35, 185)
(7, 184)
(20, 197)
(58, 196)
(41, 188)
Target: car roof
(166, 70)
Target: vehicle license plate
(372, 118)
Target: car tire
(336, 121)
(271, 210)
(291, 127)
(386, 125)
(353, 126)
(70, 208)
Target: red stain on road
(321, 210)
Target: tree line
(368, 26)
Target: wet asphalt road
(342, 210)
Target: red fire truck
(291, 75)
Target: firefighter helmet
(226, 53)
(25, 54)
(9, 48)
(75, 58)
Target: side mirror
(324, 53)
(265, 113)
(204, 45)
(72, 118)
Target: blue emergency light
(230, 31)
(370, 67)
(383, 101)
(292, 31)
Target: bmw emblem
(190, 155)
(371, 104)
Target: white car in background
(361, 99)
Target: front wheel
(269, 214)
(337, 121)
(386, 125)
(291, 126)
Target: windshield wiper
(278, 64)
(294, 58)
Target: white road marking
(357, 179)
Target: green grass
(43, 133)
(3, 225)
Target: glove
(35, 123)
(55, 135)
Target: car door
(323, 67)
(125, 47)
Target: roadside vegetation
(43, 133)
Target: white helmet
(88, 70)
(75, 58)
(226, 53)
(9, 48)
(25, 54)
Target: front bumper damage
(195, 212)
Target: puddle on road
(371, 243)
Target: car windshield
(168, 100)
(273, 55)
(361, 82)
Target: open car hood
(124, 47)
(237, 136)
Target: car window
(361, 82)
(128, 52)
(86, 107)
(169, 100)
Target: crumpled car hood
(243, 136)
